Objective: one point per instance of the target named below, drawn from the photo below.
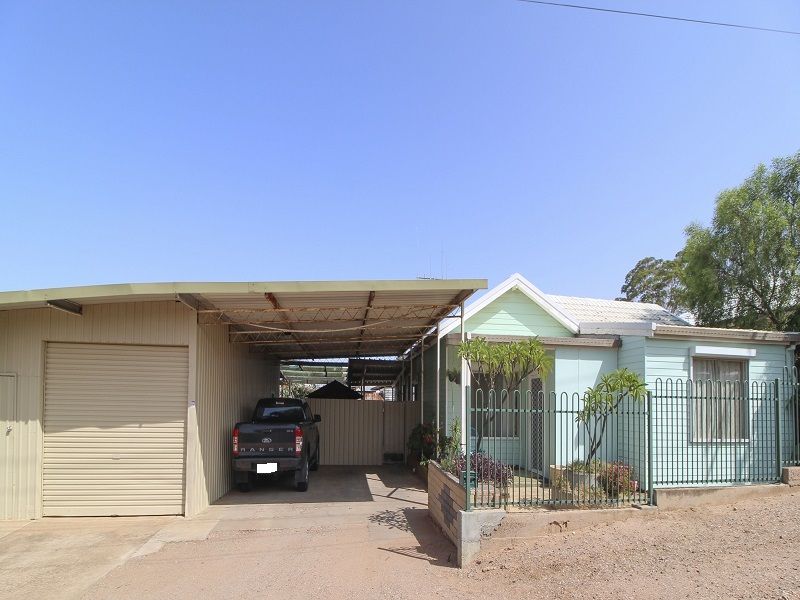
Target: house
(727, 438)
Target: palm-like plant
(603, 400)
(511, 362)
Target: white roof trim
(518, 282)
(622, 328)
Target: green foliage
(453, 375)
(613, 480)
(744, 269)
(510, 362)
(422, 442)
(297, 390)
(751, 252)
(657, 281)
(603, 400)
(450, 448)
(513, 361)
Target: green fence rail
(718, 433)
(531, 449)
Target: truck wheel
(315, 463)
(301, 477)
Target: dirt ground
(747, 550)
(389, 549)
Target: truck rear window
(280, 414)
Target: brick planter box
(447, 507)
(446, 498)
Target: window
(719, 400)
(281, 414)
(497, 409)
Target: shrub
(422, 441)
(486, 469)
(450, 448)
(616, 478)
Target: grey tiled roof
(595, 310)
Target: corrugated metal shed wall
(229, 381)
(22, 337)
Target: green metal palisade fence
(530, 449)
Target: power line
(655, 16)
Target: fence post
(467, 461)
(778, 440)
(650, 478)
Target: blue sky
(272, 140)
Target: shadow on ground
(431, 545)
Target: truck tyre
(315, 463)
(301, 477)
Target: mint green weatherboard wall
(632, 356)
(680, 459)
(514, 313)
(576, 370)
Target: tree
(603, 400)
(744, 269)
(505, 365)
(292, 389)
(655, 280)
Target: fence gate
(536, 447)
(362, 432)
(394, 431)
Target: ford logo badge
(267, 440)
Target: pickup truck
(282, 436)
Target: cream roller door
(114, 428)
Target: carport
(119, 399)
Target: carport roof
(289, 319)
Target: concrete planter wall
(447, 507)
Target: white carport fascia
(129, 292)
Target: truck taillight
(236, 441)
(298, 441)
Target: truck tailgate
(260, 439)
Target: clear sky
(329, 139)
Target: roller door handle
(9, 428)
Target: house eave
(733, 335)
(585, 341)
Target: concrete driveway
(339, 538)
(62, 558)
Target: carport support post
(422, 380)
(464, 370)
(411, 375)
(438, 381)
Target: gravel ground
(747, 550)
